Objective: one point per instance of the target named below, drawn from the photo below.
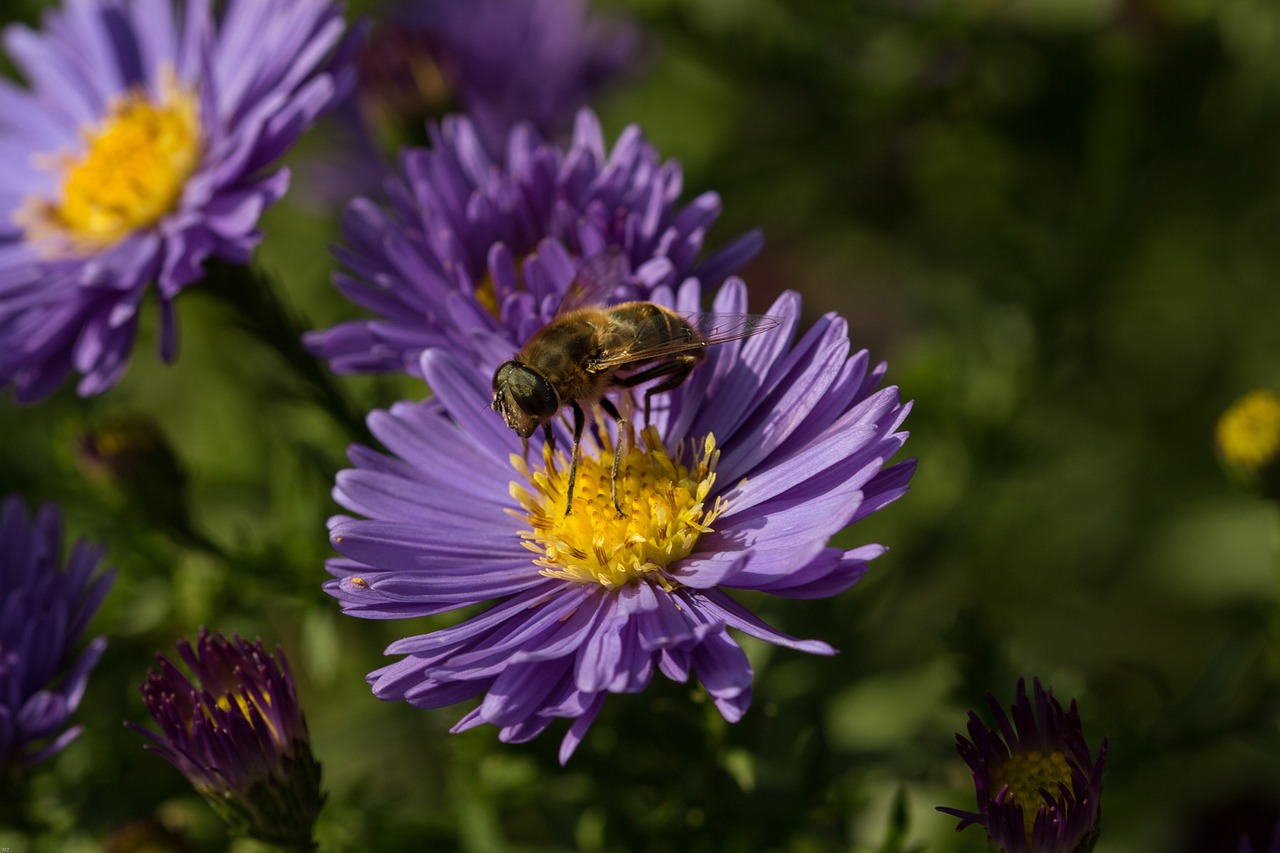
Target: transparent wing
(596, 280)
(704, 330)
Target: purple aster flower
(503, 62)
(740, 480)
(143, 148)
(238, 734)
(512, 61)
(44, 609)
(475, 254)
(1039, 788)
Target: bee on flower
(738, 480)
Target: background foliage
(1056, 219)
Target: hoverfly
(583, 352)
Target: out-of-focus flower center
(401, 83)
(131, 173)
(486, 294)
(664, 511)
(1248, 433)
(1026, 774)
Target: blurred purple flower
(238, 734)
(502, 62)
(1246, 846)
(1038, 787)
(43, 611)
(476, 255)
(745, 473)
(513, 61)
(143, 148)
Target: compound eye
(535, 394)
(502, 375)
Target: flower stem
(260, 311)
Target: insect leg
(578, 420)
(676, 370)
(548, 446)
(612, 411)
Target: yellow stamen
(1026, 773)
(1248, 433)
(132, 171)
(245, 703)
(664, 511)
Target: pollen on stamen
(664, 511)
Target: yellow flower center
(1248, 433)
(664, 511)
(132, 172)
(1026, 773)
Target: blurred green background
(1056, 219)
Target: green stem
(260, 311)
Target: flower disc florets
(664, 511)
(132, 172)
